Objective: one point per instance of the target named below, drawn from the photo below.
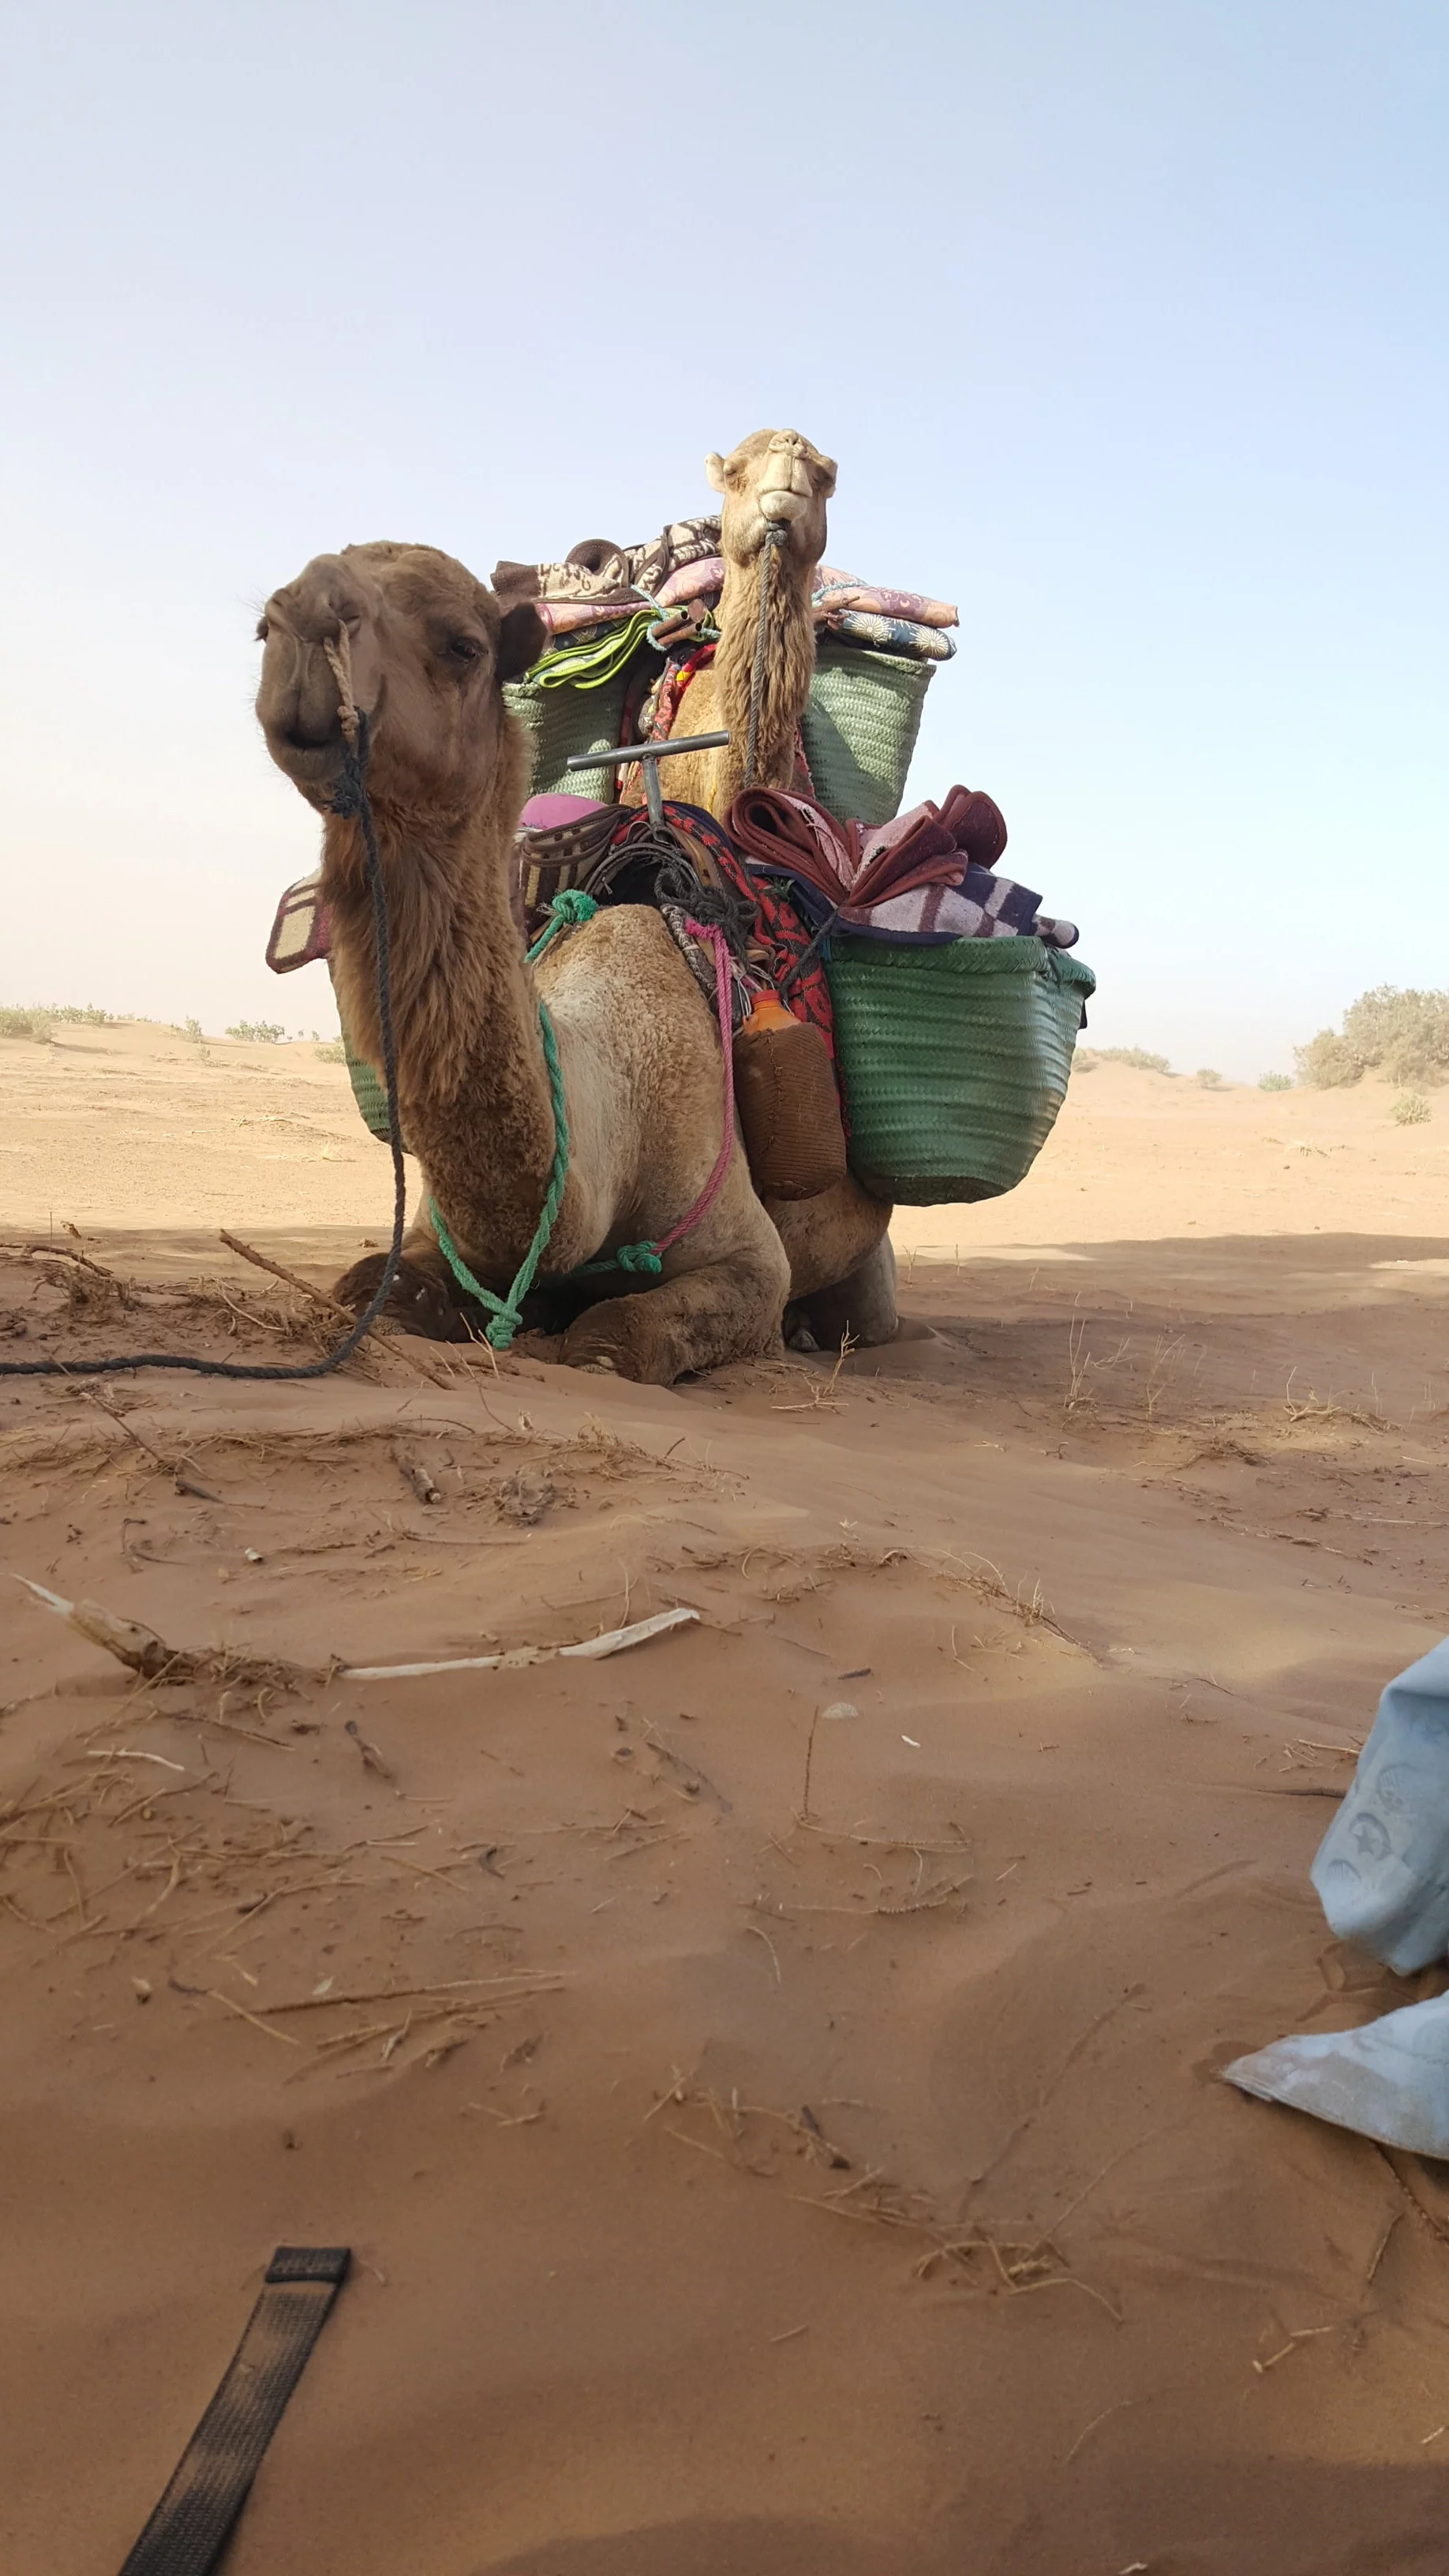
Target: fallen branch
(372, 1760)
(613, 1642)
(319, 1297)
(521, 1982)
(143, 1652)
(173, 1466)
(63, 1252)
(289, 1278)
(415, 1474)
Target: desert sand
(769, 2080)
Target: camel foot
(728, 1310)
(864, 1306)
(420, 1304)
(606, 1342)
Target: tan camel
(773, 478)
(428, 651)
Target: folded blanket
(699, 581)
(901, 635)
(600, 573)
(848, 609)
(982, 906)
(929, 875)
(840, 590)
(599, 583)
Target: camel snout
(299, 697)
(784, 505)
(301, 716)
(786, 490)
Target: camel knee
(420, 1301)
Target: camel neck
(789, 667)
(472, 1082)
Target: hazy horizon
(1125, 324)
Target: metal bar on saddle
(649, 755)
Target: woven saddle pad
(589, 851)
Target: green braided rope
(630, 1256)
(567, 911)
(507, 1312)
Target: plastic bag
(1382, 1876)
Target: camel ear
(714, 473)
(522, 636)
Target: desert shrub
(77, 1015)
(1207, 1079)
(1405, 1035)
(1137, 1057)
(17, 1023)
(332, 1051)
(1328, 1062)
(258, 1032)
(1276, 1082)
(193, 1029)
(1411, 1109)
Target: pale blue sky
(1125, 320)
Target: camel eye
(465, 649)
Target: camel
(774, 478)
(422, 650)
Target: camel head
(423, 649)
(774, 475)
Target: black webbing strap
(196, 2516)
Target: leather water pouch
(789, 1109)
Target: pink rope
(715, 1183)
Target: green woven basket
(367, 1091)
(954, 1061)
(860, 728)
(560, 722)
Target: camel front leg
(862, 1307)
(725, 1310)
(425, 1297)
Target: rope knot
(568, 911)
(638, 1256)
(348, 791)
(573, 907)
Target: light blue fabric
(1382, 1876)
(1382, 1871)
(1388, 2081)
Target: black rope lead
(349, 797)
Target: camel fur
(774, 477)
(428, 651)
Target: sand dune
(768, 2079)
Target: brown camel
(428, 650)
(773, 478)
